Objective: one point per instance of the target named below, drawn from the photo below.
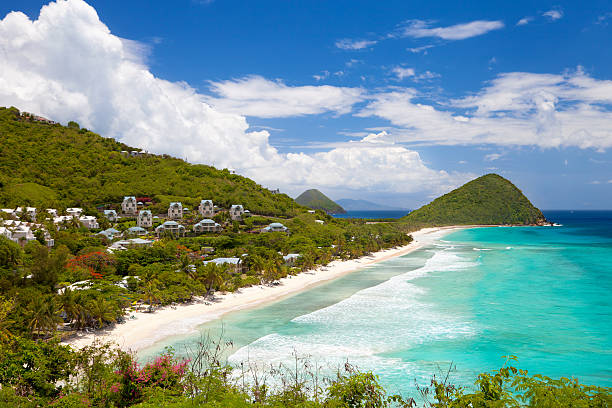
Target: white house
(207, 225)
(136, 231)
(31, 211)
(145, 219)
(74, 212)
(52, 212)
(110, 233)
(89, 221)
(175, 211)
(275, 227)
(236, 212)
(170, 227)
(111, 215)
(206, 208)
(125, 244)
(320, 222)
(290, 259)
(5, 232)
(129, 205)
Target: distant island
(487, 200)
(363, 205)
(316, 200)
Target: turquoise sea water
(543, 294)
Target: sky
(394, 102)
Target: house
(10, 212)
(129, 205)
(125, 244)
(170, 227)
(89, 221)
(5, 232)
(311, 211)
(22, 232)
(136, 231)
(275, 227)
(206, 208)
(145, 219)
(110, 233)
(207, 225)
(52, 212)
(175, 211)
(320, 222)
(31, 212)
(236, 265)
(74, 212)
(63, 219)
(236, 212)
(290, 259)
(111, 215)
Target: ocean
(466, 300)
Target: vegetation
(316, 200)
(64, 166)
(487, 200)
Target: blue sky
(393, 101)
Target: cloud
(257, 96)
(517, 108)
(554, 14)
(323, 75)
(67, 65)
(420, 29)
(348, 44)
(422, 49)
(524, 21)
(402, 73)
(493, 156)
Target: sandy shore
(149, 328)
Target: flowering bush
(97, 263)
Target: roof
(237, 206)
(207, 221)
(170, 224)
(145, 212)
(176, 204)
(206, 201)
(277, 225)
(137, 229)
(289, 257)
(220, 261)
(106, 212)
(129, 198)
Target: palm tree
(101, 311)
(6, 307)
(44, 314)
(212, 275)
(151, 292)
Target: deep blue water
(372, 214)
(468, 298)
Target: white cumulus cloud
(349, 44)
(420, 29)
(67, 65)
(554, 14)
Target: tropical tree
(6, 307)
(101, 311)
(211, 275)
(150, 292)
(43, 314)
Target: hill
(50, 165)
(318, 201)
(490, 199)
(364, 205)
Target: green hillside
(316, 200)
(60, 166)
(490, 199)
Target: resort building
(74, 212)
(132, 231)
(236, 212)
(171, 228)
(129, 243)
(236, 265)
(89, 222)
(206, 208)
(111, 215)
(275, 227)
(207, 225)
(290, 259)
(129, 205)
(110, 233)
(175, 211)
(145, 219)
(31, 212)
(52, 212)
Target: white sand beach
(145, 329)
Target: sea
(453, 308)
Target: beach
(144, 329)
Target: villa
(275, 227)
(52, 212)
(145, 219)
(31, 212)
(125, 244)
(207, 225)
(136, 231)
(170, 227)
(74, 212)
(129, 205)
(89, 221)
(206, 208)
(110, 233)
(111, 215)
(236, 212)
(235, 264)
(175, 211)
(290, 259)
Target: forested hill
(316, 200)
(490, 199)
(50, 165)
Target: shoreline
(149, 328)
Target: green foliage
(487, 200)
(316, 200)
(56, 166)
